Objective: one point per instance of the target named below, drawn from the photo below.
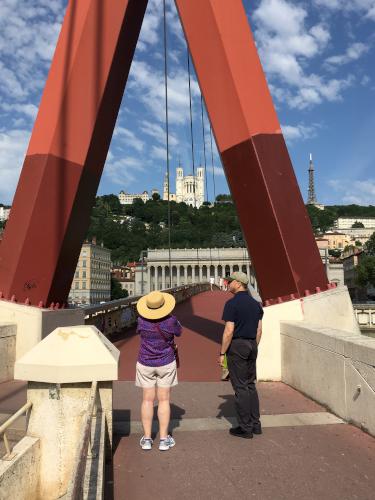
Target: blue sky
(318, 57)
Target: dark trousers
(242, 356)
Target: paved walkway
(304, 452)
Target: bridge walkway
(304, 452)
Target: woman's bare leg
(147, 410)
(164, 410)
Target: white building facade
(127, 198)
(4, 213)
(190, 265)
(347, 222)
(189, 188)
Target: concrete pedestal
(60, 371)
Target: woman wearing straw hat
(156, 370)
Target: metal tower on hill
(311, 196)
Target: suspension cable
(167, 139)
(191, 125)
(204, 149)
(212, 164)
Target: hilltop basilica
(185, 187)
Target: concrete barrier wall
(7, 351)
(334, 367)
(19, 478)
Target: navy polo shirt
(245, 312)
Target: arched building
(190, 265)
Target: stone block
(68, 355)
(269, 359)
(360, 398)
(7, 351)
(19, 478)
(315, 371)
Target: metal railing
(5, 426)
(75, 488)
(114, 316)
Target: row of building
(161, 269)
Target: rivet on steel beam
(279, 300)
(27, 301)
(41, 304)
(267, 303)
(13, 298)
(317, 289)
(57, 305)
(307, 293)
(1, 295)
(292, 296)
(52, 305)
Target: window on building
(83, 285)
(77, 285)
(77, 274)
(83, 274)
(83, 263)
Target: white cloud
(124, 171)
(357, 192)
(286, 44)
(147, 86)
(13, 145)
(299, 132)
(366, 7)
(128, 137)
(353, 52)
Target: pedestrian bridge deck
(304, 452)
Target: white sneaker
(166, 443)
(146, 443)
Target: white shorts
(160, 376)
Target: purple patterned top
(154, 350)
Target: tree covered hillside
(129, 229)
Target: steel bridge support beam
(74, 126)
(259, 171)
(68, 148)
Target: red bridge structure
(311, 345)
(73, 130)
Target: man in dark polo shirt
(242, 333)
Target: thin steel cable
(167, 139)
(191, 125)
(212, 164)
(204, 149)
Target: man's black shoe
(257, 429)
(238, 432)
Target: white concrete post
(59, 371)
(178, 275)
(200, 274)
(231, 268)
(248, 271)
(216, 275)
(148, 286)
(163, 277)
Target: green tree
(357, 225)
(366, 271)
(116, 291)
(156, 197)
(370, 245)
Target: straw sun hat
(156, 305)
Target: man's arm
(227, 339)
(259, 332)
